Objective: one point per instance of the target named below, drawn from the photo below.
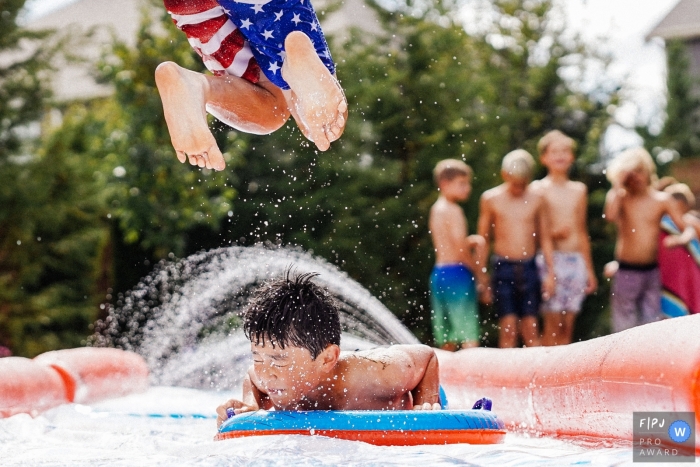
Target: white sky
(623, 24)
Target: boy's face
(516, 186)
(558, 156)
(636, 180)
(458, 189)
(288, 374)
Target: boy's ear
(329, 357)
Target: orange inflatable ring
(586, 389)
(92, 374)
(81, 375)
(29, 387)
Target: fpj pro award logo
(664, 437)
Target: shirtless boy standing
(294, 331)
(513, 217)
(636, 208)
(459, 260)
(567, 207)
(269, 59)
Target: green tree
(50, 231)
(681, 129)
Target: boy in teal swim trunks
(459, 261)
(294, 331)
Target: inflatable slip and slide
(588, 389)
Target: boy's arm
(483, 229)
(547, 246)
(426, 392)
(483, 226)
(592, 281)
(398, 370)
(613, 202)
(253, 399)
(688, 232)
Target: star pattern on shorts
(274, 67)
(296, 19)
(257, 8)
(246, 24)
(278, 15)
(267, 34)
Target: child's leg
(316, 99)
(650, 302)
(552, 328)
(530, 332)
(624, 295)
(508, 331)
(567, 329)
(253, 108)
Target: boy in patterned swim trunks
(459, 261)
(637, 208)
(269, 60)
(567, 206)
(513, 216)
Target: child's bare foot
(317, 96)
(183, 93)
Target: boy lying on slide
(269, 59)
(294, 331)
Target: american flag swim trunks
(243, 38)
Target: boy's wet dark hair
(292, 310)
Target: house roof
(682, 22)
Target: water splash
(184, 318)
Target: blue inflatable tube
(379, 427)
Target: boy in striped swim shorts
(459, 261)
(567, 204)
(269, 60)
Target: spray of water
(184, 318)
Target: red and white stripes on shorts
(213, 35)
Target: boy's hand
(427, 406)
(591, 283)
(561, 234)
(485, 293)
(610, 269)
(548, 286)
(238, 406)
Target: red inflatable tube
(82, 375)
(586, 389)
(29, 387)
(93, 374)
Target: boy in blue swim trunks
(513, 217)
(269, 60)
(294, 331)
(459, 261)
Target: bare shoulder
(490, 194)
(443, 208)
(400, 354)
(539, 185)
(578, 187)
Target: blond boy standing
(513, 217)
(567, 207)
(636, 209)
(459, 261)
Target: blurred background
(92, 196)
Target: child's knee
(297, 39)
